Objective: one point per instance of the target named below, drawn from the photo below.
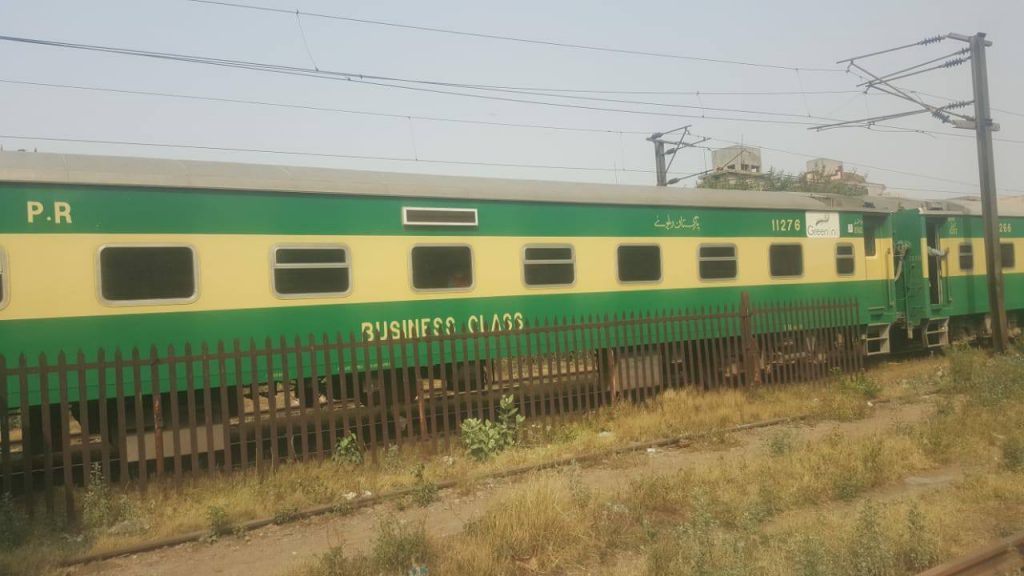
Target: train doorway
(936, 259)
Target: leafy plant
(484, 438)
(399, 546)
(920, 549)
(100, 508)
(424, 492)
(780, 442)
(218, 522)
(347, 450)
(861, 385)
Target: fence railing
(142, 415)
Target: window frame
(661, 264)
(5, 279)
(412, 224)
(960, 256)
(292, 266)
(852, 257)
(196, 286)
(472, 266)
(735, 258)
(1013, 252)
(803, 269)
(572, 260)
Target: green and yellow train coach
(116, 253)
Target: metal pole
(990, 211)
(659, 161)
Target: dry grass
(836, 506)
(209, 503)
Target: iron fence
(204, 409)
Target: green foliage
(400, 547)
(424, 492)
(859, 384)
(286, 515)
(217, 522)
(347, 450)
(100, 508)
(1013, 452)
(780, 441)
(12, 523)
(919, 549)
(810, 557)
(484, 439)
(870, 550)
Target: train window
(639, 263)
(786, 260)
(147, 274)
(844, 259)
(1008, 255)
(3, 278)
(311, 271)
(717, 261)
(966, 257)
(442, 268)
(549, 266)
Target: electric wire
(386, 81)
(549, 43)
(317, 154)
(308, 107)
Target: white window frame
(571, 260)
(661, 264)
(960, 256)
(472, 266)
(803, 267)
(148, 301)
(852, 257)
(735, 258)
(274, 266)
(473, 224)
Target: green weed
(347, 450)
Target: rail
(1003, 558)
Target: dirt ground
(278, 549)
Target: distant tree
(779, 181)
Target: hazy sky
(789, 33)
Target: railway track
(1005, 557)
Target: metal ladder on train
(877, 339)
(936, 332)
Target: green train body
(65, 221)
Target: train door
(908, 278)
(936, 261)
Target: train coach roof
(30, 167)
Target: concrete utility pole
(983, 127)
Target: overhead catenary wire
(316, 154)
(426, 86)
(395, 115)
(314, 108)
(481, 35)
